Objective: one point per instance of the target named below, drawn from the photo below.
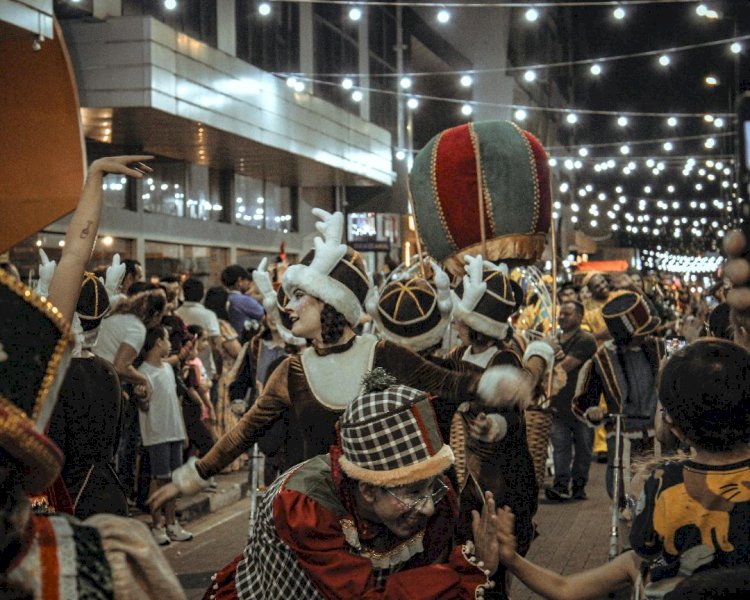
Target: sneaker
(579, 493)
(178, 534)
(559, 494)
(160, 536)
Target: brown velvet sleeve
(413, 370)
(268, 408)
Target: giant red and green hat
(516, 192)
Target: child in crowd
(196, 377)
(694, 514)
(162, 430)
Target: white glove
(46, 271)
(114, 276)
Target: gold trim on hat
(516, 246)
(535, 178)
(20, 439)
(438, 206)
(53, 314)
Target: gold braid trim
(438, 206)
(535, 177)
(53, 314)
(19, 437)
(516, 246)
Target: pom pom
(735, 243)
(738, 270)
(378, 380)
(739, 298)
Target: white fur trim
(504, 387)
(435, 465)
(544, 351)
(263, 283)
(325, 288)
(480, 323)
(187, 479)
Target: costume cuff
(467, 551)
(498, 429)
(589, 422)
(544, 351)
(187, 479)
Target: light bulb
(466, 80)
(622, 121)
(596, 69)
(664, 60)
(532, 15)
(264, 9)
(443, 16)
(466, 110)
(355, 14)
(520, 115)
(529, 76)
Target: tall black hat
(35, 344)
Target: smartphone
(673, 344)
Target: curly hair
(144, 305)
(332, 324)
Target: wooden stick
(553, 241)
(413, 211)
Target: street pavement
(573, 536)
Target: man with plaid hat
(373, 518)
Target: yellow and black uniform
(692, 517)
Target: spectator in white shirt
(162, 430)
(192, 312)
(122, 334)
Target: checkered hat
(626, 315)
(391, 437)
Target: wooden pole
(413, 211)
(553, 241)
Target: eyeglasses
(439, 490)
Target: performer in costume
(87, 419)
(326, 294)
(373, 518)
(50, 557)
(624, 370)
(490, 438)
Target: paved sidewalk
(230, 488)
(574, 535)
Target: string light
(531, 15)
(529, 75)
(619, 13)
(466, 80)
(405, 83)
(711, 80)
(412, 103)
(264, 9)
(672, 122)
(466, 110)
(622, 121)
(664, 60)
(520, 115)
(357, 96)
(443, 16)
(571, 118)
(355, 13)
(170, 4)
(347, 83)
(735, 48)
(596, 69)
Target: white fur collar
(336, 379)
(482, 359)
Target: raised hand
(484, 528)
(114, 275)
(506, 537)
(46, 271)
(131, 165)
